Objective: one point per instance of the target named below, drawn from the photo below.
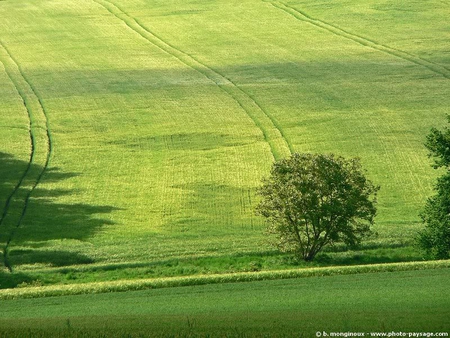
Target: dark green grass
(83, 270)
(408, 301)
(260, 261)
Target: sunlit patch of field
(159, 119)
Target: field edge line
(158, 283)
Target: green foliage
(438, 144)
(312, 201)
(435, 238)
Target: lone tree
(434, 239)
(311, 201)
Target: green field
(133, 137)
(408, 301)
(134, 134)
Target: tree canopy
(434, 239)
(438, 144)
(314, 200)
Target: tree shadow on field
(369, 253)
(11, 280)
(45, 220)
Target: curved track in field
(40, 147)
(302, 16)
(271, 130)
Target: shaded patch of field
(69, 268)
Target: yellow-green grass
(400, 301)
(164, 116)
(157, 283)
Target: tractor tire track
(41, 146)
(302, 16)
(279, 145)
(32, 149)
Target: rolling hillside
(136, 132)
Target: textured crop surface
(406, 301)
(133, 134)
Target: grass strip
(154, 283)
